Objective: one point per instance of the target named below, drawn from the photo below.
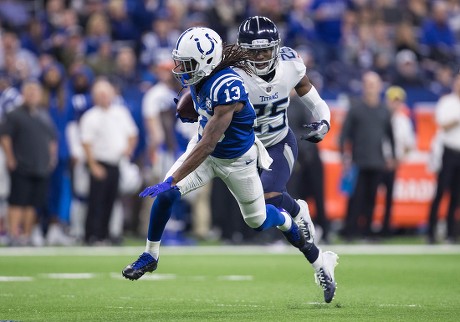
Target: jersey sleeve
(228, 90)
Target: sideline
(232, 250)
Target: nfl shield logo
(269, 89)
(208, 104)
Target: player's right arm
(212, 133)
(311, 99)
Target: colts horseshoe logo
(199, 45)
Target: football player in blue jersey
(225, 145)
(276, 71)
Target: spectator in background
(447, 115)
(442, 80)
(74, 48)
(367, 124)
(407, 73)
(404, 138)
(299, 25)
(406, 38)
(157, 43)
(328, 17)
(18, 60)
(124, 29)
(10, 98)
(437, 36)
(97, 32)
(128, 80)
(34, 37)
(29, 141)
(52, 15)
(223, 15)
(89, 7)
(108, 134)
(81, 81)
(55, 99)
(102, 62)
(415, 12)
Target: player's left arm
(212, 133)
(317, 106)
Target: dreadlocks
(232, 56)
(235, 56)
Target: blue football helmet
(258, 33)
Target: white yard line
(231, 250)
(69, 276)
(16, 278)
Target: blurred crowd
(69, 45)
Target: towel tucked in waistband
(263, 158)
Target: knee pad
(256, 221)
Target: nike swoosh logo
(230, 83)
(249, 162)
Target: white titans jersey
(271, 99)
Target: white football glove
(316, 131)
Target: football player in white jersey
(225, 147)
(276, 72)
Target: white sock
(287, 222)
(318, 262)
(153, 248)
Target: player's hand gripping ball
(185, 109)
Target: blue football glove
(155, 190)
(185, 119)
(316, 131)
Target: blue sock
(274, 218)
(160, 213)
(286, 202)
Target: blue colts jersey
(225, 88)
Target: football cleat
(145, 263)
(324, 276)
(303, 220)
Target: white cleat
(308, 223)
(324, 276)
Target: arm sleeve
(317, 106)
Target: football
(186, 108)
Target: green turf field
(238, 284)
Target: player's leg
(284, 155)
(242, 179)
(274, 183)
(161, 212)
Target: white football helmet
(198, 51)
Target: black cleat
(145, 263)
